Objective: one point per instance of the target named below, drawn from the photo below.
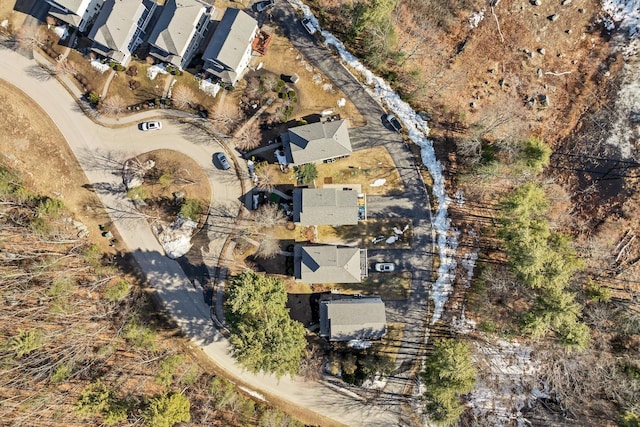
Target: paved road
(413, 203)
(100, 152)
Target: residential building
(316, 142)
(179, 30)
(325, 206)
(228, 53)
(360, 318)
(76, 13)
(329, 264)
(119, 28)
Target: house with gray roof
(179, 30)
(325, 206)
(228, 53)
(360, 318)
(119, 28)
(316, 142)
(76, 13)
(329, 264)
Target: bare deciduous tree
(66, 67)
(253, 88)
(225, 118)
(266, 178)
(269, 82)
(268, 248)
(181, 96)
(29, 37)
(113, 105)
(269, 215)
(248, 137)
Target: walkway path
(100, 152)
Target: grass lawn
(149, 89)
(362, 234)
(199, 97)
(389, 286)
(315, 91)
(390, 343)
(363, 167)
(83, 65)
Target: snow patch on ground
(624, 12)
(209, 87)
(625, 132)
(253, 393)
(506, 382)
(175, 238)
(418, 130)
(100, 66)
(476, 18)
(377, 383)
(62, 31)
(154, 70)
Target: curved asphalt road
(100, 152)
(185, 302)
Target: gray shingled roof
(327, 264)
(71, 18)
(316, 142)
(229, 42)
(325, 206)
(175, 28)
(71, 5)
(353, 319)
(115, 26)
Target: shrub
(167, 369)
(118, 291)
(25, 342)
(50, 207)
(61, 373)
(191, 208)
(139, 335)
(93, 97)
(598, 293)
(168, 409)
(99, 399)
(306, 173)
(137, 193)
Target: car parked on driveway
(264, 5)
(384, 267)
(306, 23)
(150, 126)
(222, 161)
(394, 122)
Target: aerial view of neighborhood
(289, 213)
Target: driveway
(100, 152)
(414, 203)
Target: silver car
(306, 23)
(222, 160)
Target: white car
(150, 126)
(384, 267)
(306, 23)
